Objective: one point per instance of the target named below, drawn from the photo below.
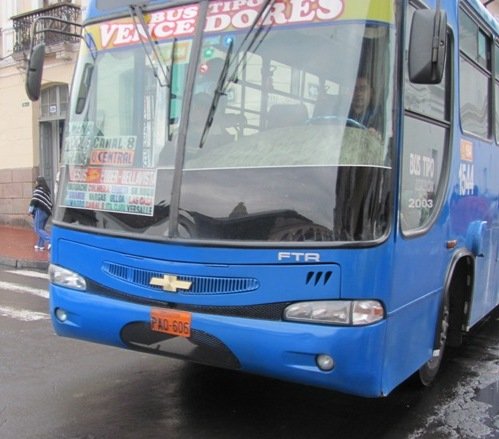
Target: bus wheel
(429, 370)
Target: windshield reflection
(288, 135)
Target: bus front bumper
(284, 350)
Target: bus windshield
(272, 123)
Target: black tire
(427, 373)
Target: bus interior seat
(327, 105)
(284, 115)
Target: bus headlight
(66, 278)
(336, 312)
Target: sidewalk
(17, 249)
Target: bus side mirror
(427, 46)
(34, 72)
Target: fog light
(325, 362)
(61, 315)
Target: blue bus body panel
(370, 360)
(275, 349)
(474, 218)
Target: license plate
(171, 322)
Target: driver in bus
(362, 108)
(360, 104)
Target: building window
(54, 102)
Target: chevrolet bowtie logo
(170, 283)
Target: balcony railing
(22, 26)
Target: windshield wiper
(218, 93)
(138, 19)
(222, 82)
(263, 12)
(170, 90)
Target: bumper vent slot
(200, 284)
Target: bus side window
(475, 77)
(425, 147)
(497, 92)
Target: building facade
(493, 7)
(31, 132)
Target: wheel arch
(459, 289)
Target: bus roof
(99, 8)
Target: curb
(20, 263)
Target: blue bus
(302, 189)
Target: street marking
(16, 288)
(22, 314)
(29, 273)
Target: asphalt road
(52, 388)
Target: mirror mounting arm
(37, 51)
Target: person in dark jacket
(362, 109)
(40, 207)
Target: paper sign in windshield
(129, 191)
(113, 151)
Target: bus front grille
(199, 284)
